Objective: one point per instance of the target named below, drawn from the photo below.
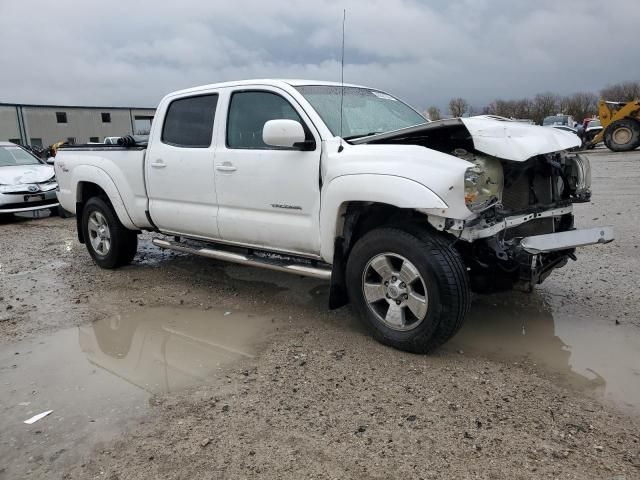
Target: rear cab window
(188, 122)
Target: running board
(278, 262)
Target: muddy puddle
(98, 378)
(603, 360)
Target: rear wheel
(622, 135)
(409, 286)
(109, 242)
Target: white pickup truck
(345, 183)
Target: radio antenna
(344, 19)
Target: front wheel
(409, 286)
(109, 243)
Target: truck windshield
(365, 111)
(16, 156)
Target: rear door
(179, 167)
(268, 196)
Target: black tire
(445, 281)
(631, 141)
(123, 242)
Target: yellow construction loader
(620, 125)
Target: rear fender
(92, 174)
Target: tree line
(579, 105)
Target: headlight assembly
(483, 182)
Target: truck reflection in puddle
(165, 349)
(588, 354)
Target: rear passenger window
(248, 113)
(189, 121)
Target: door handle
(226, 167)
(158, 164)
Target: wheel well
(355, 220)
(362, 217)
(86, 190)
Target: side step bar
(281, 264)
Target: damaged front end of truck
(519, 190)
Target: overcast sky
(134, 52)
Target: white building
(44, 125)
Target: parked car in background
(594, 127)
(565, 128)
(559, 119)
(27, 183)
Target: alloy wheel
(99, 233)
(395, 291)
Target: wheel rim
(395, 291)
(99, 233)
(622, 135)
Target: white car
(343, 183)
(26, 183)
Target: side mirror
(51, 160)
(283, 133)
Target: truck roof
(281, 82)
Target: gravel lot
(180, 367)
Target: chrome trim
(281, 266)
(553, 242)
(282, 251)
(29, 209)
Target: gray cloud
(134, 52)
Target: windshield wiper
(353, 137)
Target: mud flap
(338, 296)
(79, 206)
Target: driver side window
(249, 111)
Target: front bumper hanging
(553, 242)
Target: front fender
(93, 174)
(400, 192)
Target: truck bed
(119, 168)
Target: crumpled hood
(504, 139)
(24, 174)
(517, 141)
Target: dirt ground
(180, 367)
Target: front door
(179, 168)
(267, 196)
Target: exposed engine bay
(512, 199)
(536, 199)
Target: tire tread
(124, 243)
(454, 293)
